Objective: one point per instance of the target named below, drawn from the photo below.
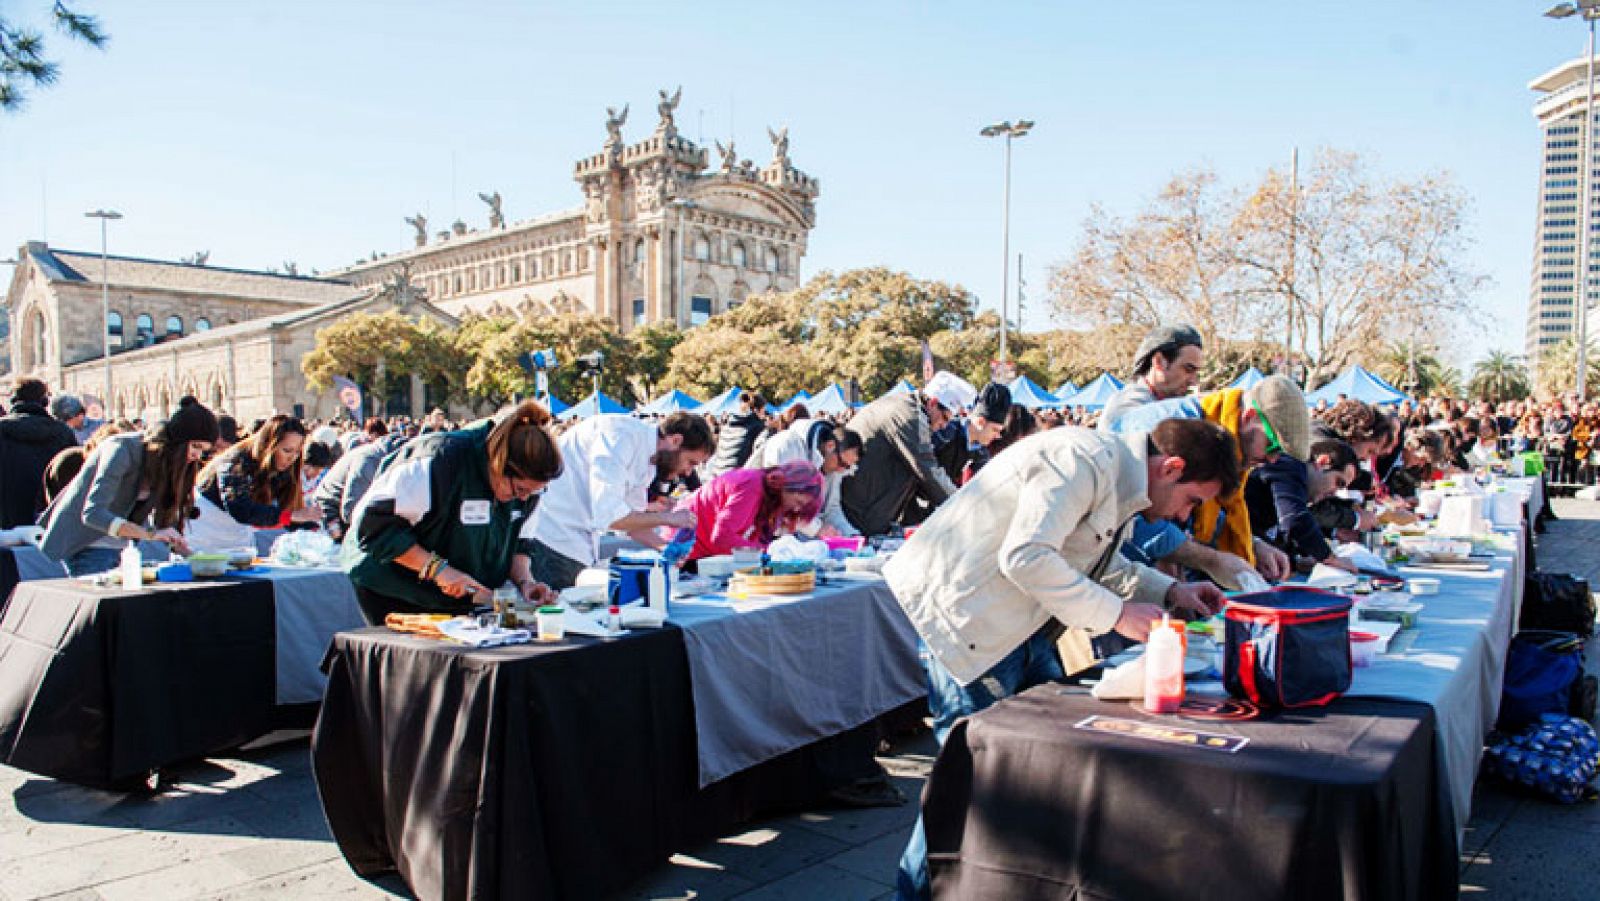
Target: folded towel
(465, 630)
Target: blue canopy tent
(1095, 394)
(1248, 379)
(798, 397)
(591, 405)
(1030, 395)
(1359, 384)
(723, 404)
(671, 402)
(1064, 391)
(829, 400)
(904, 387)
(554, 404)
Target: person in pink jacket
(749, 507)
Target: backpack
(1557, 602)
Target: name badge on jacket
(474, 513)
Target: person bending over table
(253, 485)
(132, 487)
(438, 528)
(611, 461)
(1282, 494)
(748, 508)
(1029, 547)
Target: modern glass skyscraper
(1553, 294)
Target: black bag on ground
(1557, 602)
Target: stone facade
(660, 236)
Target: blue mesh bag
(1557, 757)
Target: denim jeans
(93, 560)
(1034, 663)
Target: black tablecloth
(533, 771)
(1346, 802)
(99, 686)
(8, 577)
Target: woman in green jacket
(438, 529)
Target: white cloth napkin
(466, 630)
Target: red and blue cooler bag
(1288, 647)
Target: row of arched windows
(488, 276)
(144, 329)
(738, 257)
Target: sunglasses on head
(1274, 446)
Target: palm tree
(1500, 377)
(1556, 371)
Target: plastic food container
(552, 623)
(842, 543)
(1424, 585)
(719, 567)
(1363, 648)
(208, 566)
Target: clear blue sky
(307, 131)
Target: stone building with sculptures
(661, 236)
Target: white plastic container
(1163, 670)
(1423, 585)
(132, 567)
(1363, 648)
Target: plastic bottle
(1163, 670)
(132, 565)
(614, 620)
(657, 587)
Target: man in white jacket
(1029, 548)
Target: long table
(569, 770)
(100, 686)
(1366, 798)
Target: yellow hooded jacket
(1224, 408)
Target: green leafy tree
(650, 357)
(496, 376)
(1500, 377)
(715, 357)
(1556, 372)
(23, 65)
(1434, 378)
(370, 349)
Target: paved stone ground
(250, 827)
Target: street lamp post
(105, 308)
(1589, 11)
(1010, 130)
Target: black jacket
(29, 439)
(734, 445)
(1276, 494)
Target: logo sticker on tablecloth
(1168, 735)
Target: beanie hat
(1284, 407)
(191, 422)
(994, 402)
(66, 406)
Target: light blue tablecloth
(310, 606)
(772, 675)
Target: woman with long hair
(438, 528)
(253, 485)
(133, 487)
(750, 507)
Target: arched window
(772, 260)
(202, 325)
(174, 327)
(39, 342)
(516, 272)
(114, 328)
(533, 268)
(738, 255)
(702, 248)
(144, 330)
(638, 252)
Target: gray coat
(105, 490)
(896, 460)
(346, 483)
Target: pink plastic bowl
(844, 544)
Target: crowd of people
(1042, 540)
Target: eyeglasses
(1274, 446)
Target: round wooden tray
(747, 582)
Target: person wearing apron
(438, 528)
(253, 485)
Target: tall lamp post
(1010, 130)
(1588, 11)
(105, 307)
